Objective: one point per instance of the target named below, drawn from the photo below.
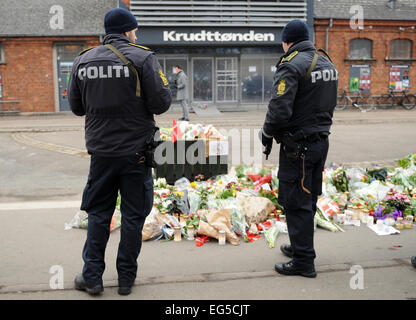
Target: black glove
(267, 142)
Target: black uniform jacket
(117, 122)
(299, 103)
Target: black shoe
(289, 269)
(124, 291)
(181, 119)
(287, 250)
(80, 284)
(413, 260)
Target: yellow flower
(371, 196)
(193, 184)
(234, 193)
(220, 181)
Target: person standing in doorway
(182, 93)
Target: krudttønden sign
(208, 36)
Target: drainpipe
(327, 35)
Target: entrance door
(202, 79)
(227, 77)
(66, 53)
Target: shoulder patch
(139, 46)
(85, 50)
(290, 56)
(281, 87)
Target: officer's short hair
(179, 66)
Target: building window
(361, 49)
(2, 56)
(401, 49)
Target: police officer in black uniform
(299, 117)
(118, 86)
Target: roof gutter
(327, 34)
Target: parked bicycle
(393, 98)
(357, 100)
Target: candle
(282, 218)
(271, 215)
(364, 216)
(190, 232)
(341, 218)
(380, 225)
(348, 216)
(370, 220)
(355, 213)
(177, 234)
(221, 238)
(408, 222)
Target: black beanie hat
(119, 20)
(295, 31)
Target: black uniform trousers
(106, 177)
(300, 206)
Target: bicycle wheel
(342, 103)
(367, 104)
(384, 102)
(409, 102)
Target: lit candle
(177, 234)
(221, 238)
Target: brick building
(374, 54)
(39, 40)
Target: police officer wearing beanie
(119, 87)
(299, 117)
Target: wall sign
(399, 78)
(360, 78)
(208, 36)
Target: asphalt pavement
(43, 167)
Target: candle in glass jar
(177, 234)
(380, 225)
(221, 238)
(190, 232)
(282, 218)
(370, 220)
(364, 216)
(408, 224)
(355, 213)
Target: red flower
(358, 204)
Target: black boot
(289, 269)
(413, 260)
(287, 250)
(124, 291)
(80, 284)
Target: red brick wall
(28, 74)
(381, 34)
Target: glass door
(226, 77)
(202, 76)
(66, 53)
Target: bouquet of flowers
(340, 180)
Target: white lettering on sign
(102, 72)
(57, 20)
(209, 36)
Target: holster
(292, 146)
(151, 144)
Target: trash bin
(189, 158)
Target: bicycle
(407, 101)
(363, 103)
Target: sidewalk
(183, 271)
(250, 118)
